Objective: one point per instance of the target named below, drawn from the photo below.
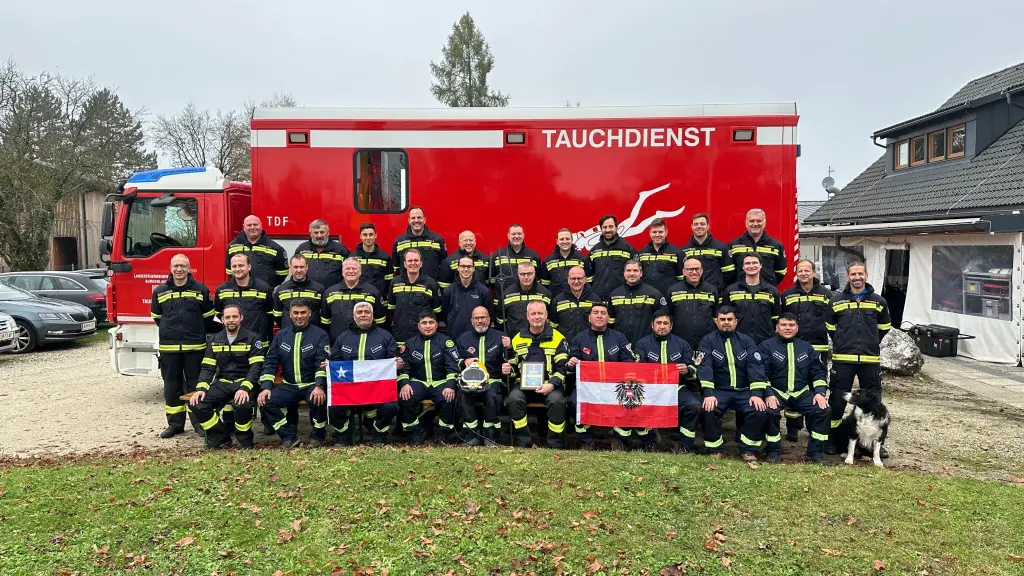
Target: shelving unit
(987, 294)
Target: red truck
(469, 168)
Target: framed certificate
(533, 375)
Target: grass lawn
(498, 511)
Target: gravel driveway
(62, 401)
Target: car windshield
(8, 292)
(101, 282)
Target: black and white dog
(867, 424)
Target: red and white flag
(362, 382)
(627, 395)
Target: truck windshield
(152, 228)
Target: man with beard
(252, 296)
(459, 300)
(693, 304)
(514, 297)
(715, 260)
(339, 300)
(756, 241)
(538, 342)
(323, 255)
(663, 347)
(634, 304)
(448, 273)
(377, 269)
(412, 293)
(417, 236)
(562, 259)
(430, 365)
(268, 259)
(505, 261)
(660, 259)
(482, 343)
(297, 286)
(609, 257)
(571, 308)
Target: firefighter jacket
(458, 302)
(484, 347)
(407, 300)
(433, 360)
(268, 259)
(757, 308)
(325, 265)
(668, 349)
(631, 309)
(505, 263)
(730, 361)
(792, 367)
(857, 324)
(694, 309)
(374, 343)
(377, 269)
(549, 347)
(605, 346)
(292, 289)
(609, 260)
(449, 272)
(299, 353)
(255, 301)
(571, 315)
(661, 266)
(556, 267)
(337, 303)
(810, 308)
(512, 302)
(772, 252)
(431, 247)
(238, 362)
(183, 315)
(715, 260)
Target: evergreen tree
(460, 79)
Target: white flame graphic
(587, 239)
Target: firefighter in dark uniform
(598, 343)
(756, 241)
(231, 369)
(459, 300)
(299, 349)
(412, 293)
(183, 312)
(448, 274)
(633, 305)
(808, 300)
(338, 301)
(664, 347)
(609, 257)
(429, 244)
(297, 286)
(482, 343)
(713, 254)
(858, 319)
(757, 303)
(732, 378)
(660, 259)
(570, 310)
(797, 380)
(253, 296)
(538, 342)
(514, 297)
(505, 262)
(323, 254)
(377, 268)
(269, 260)
(693, 303)
(364, 340)
(430, 365)
(556, 266)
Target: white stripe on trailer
(604, 393)
(387, 139)
(776, 135)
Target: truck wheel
(25, 340)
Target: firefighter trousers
(219, 397)
(340, 417)
(554, 403)
(802, 405)
(409, 410)
(492, 399)
(285, 396)
(180, 372)
(583, 431)
(795, 421)
(689, 415)
(841, 381)
(751, 430)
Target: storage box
(935, 340)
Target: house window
(937, 146)
(834, 262)
(917, 153)
(973, 280)
(902, 154)
(381, 181)
(957, 141)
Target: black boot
(417, 438)
(172, 431)
(792, 434)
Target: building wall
(71, 229)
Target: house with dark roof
(938, 219)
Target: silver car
(8, 331)
(41, 321)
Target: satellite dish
(828, 182)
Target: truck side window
(150, 229)
(381, 181)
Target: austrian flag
(362, 382)
(627, 395)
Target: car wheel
(25, 340)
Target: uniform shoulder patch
(257, 345)
(757, 356)
(327, 349)
(449, 343)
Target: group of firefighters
(710, 309)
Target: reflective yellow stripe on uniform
(790, 368)
(600, 348)
(732, 363)
(174, 409)
(362, 346)
(297, 357)
(427, 365)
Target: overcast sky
(852, 67)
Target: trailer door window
(381, 181)
(151, 229)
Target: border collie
(867, 424)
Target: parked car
(8, 329)
(81, 287)
(40, 321)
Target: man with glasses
(515, 296)
(460, 299)
(570, 310)
(693, 303)
(482, 343)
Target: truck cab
(162, 213)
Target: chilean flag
(362, 382)
(627, 395)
